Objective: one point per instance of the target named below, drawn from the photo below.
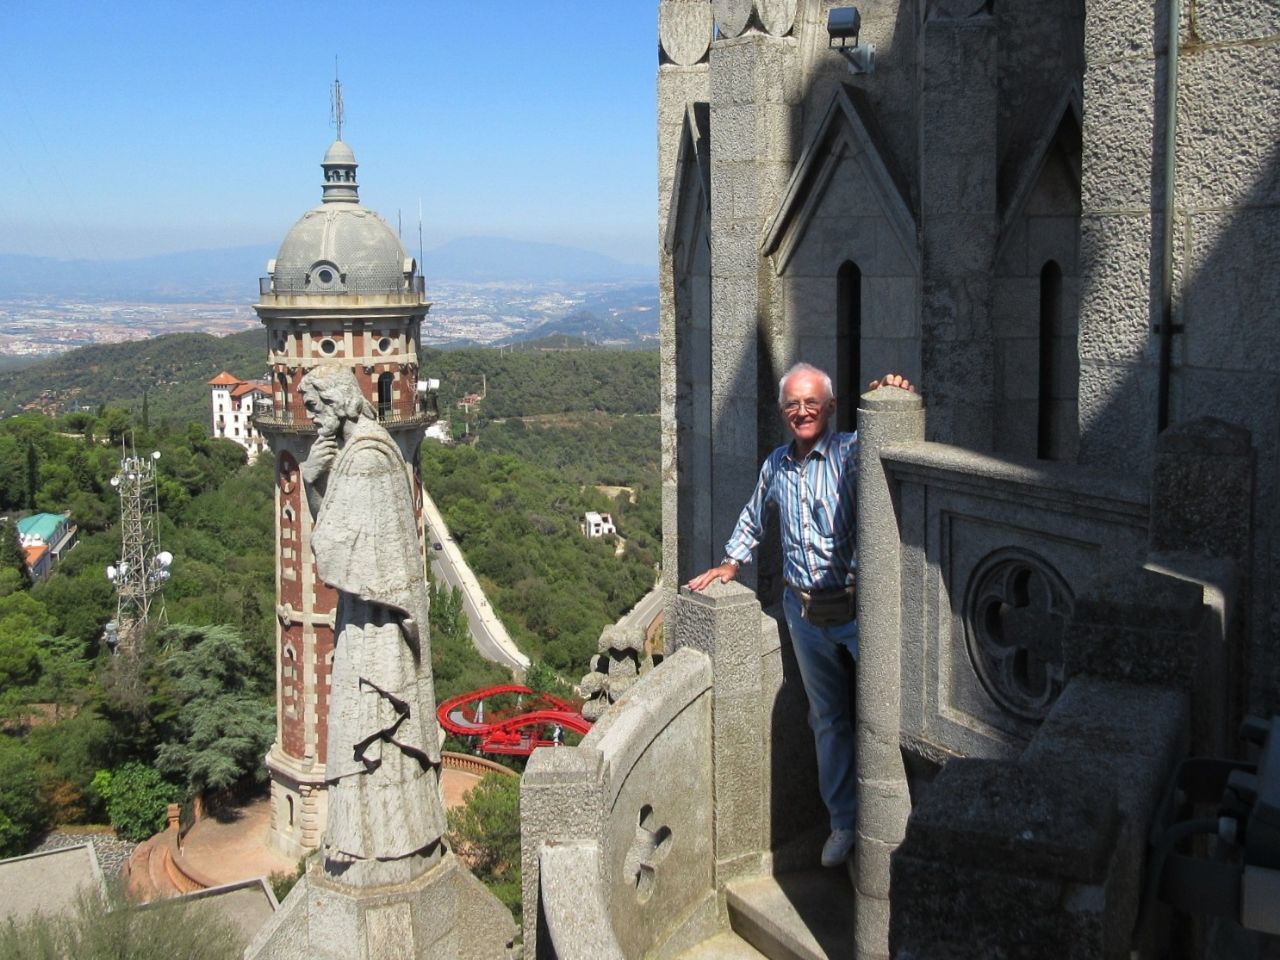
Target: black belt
(828, 607)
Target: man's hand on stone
(319, 460)
(724, 573)
(892, 380)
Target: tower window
(848, 343)
(328, 347)
(325, 275)
(1052, 344)
(384, 345)
(384, 396)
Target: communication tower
(140, 573)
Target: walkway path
(487, 632)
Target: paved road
(448, 566)
(643, 613)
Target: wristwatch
(737, 564)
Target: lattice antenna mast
(140, 574)
(335, 101)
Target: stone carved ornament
(1016, 612)
(684, 30)
(684, 26)
(616, 668)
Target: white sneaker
(838, 847)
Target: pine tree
(12, 556)
(33, 474)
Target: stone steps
(806, 915)
(148, 876)
(724, 946)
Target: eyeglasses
(806, 406)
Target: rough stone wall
(1225, 251)
(1047, 231)
(752, 151)
(684, 36)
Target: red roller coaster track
(506, 732)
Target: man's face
(806, 406)
(322, 414)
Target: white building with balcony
(233, 408)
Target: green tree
(33, 474)
(23, 812)
(485, 831)
(137, 798)
(456, 666)
(70, 753)
(14, 574)
(222, 721)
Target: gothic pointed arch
(1036, 291)
(848, 131)
(687, 242)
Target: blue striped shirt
(817, 508)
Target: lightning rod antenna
(335, 100)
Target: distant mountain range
(231, 273)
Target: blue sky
(134, 128)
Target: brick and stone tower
(341, 290)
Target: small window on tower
(328, 347)
(384, 345)
(325, 276)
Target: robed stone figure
(385, 816)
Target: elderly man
(812, 481)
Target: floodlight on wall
(843, 25)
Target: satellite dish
(155, 454)
(165, 558)
(115, 481)
(111, 573)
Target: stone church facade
(1059, 219)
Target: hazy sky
(143, 127)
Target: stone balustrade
(617, 832)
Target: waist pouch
(828, 608)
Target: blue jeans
(826, 680)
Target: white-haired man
(812, 483)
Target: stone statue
(385, 816)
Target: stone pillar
(886, 416)
(684, 35)
(1202, 496)
(751, 161)
(560, 796)
(723, 622)
(958, 153)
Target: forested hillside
(523, 383)
(173, 371)
(201, 699)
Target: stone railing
(469, 764)
(1053, 642)
(1042, 856)
(286, 421)
(411, 291)
(617, 832)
